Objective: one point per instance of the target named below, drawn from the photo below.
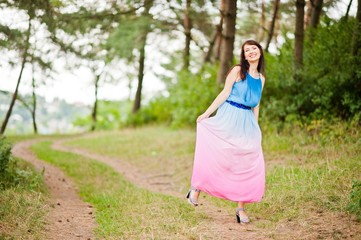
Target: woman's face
(251, 53)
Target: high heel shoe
(192, 200)
(243, 219)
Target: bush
(355, 199)
(328, 84)
(5, 154)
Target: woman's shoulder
(236, 68)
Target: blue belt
(238, 105)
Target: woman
(228, 161)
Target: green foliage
(21, 195)
(328, 85)
(192, 94)
(128, 36)
(355, 199)
(189, 96)
(14, 173)
(110, 115)
(5, 154)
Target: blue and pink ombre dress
(228, 160)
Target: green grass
(313, 169)
(306, 172)
(22, 202)
(123, 211)
(155, 150)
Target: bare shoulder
(235, 70)
(233, 74)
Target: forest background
(312, 51)
(153, 67)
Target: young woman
(228, 160)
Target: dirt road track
(69, 217)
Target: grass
(313, 169)
(22, 202)
(307, 171)
(123, 211)
(155, 150)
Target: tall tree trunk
(262, 22)
(95, 106)
(138, 95)
(348, 10)
(187, 31)
(356, 37)
(12, 103)
(272, 25)
(228, 34)
(316, 13)
(207, 58)
(218, 41)
(299, 35)
(33, 109)
(309, 7)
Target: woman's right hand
(201, 117)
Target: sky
(75, 86)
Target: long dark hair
(244, 64)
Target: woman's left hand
(201, 117)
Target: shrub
(5, 154)
(355, 199)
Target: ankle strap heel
(192, 200)
(243, 219)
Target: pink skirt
(228, 160)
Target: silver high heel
(244, 219)
(192, 200)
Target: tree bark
(12, 103)
(348, 10)
(262, 22)
(138, 95)
(207, 58)
(218, 40)
(228, 35)
(95, 106)
(33, 109)
(299, 35)
(316, 13)
(309, 7)
(187, 31)
(356, 37)
(272, 25)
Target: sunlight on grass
(123, 211)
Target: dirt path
(68, 217)
(219, 225)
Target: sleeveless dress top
(228, 159)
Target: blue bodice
(247, 92)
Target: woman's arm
(224, 94)
(256, 108)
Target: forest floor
(72, 218)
